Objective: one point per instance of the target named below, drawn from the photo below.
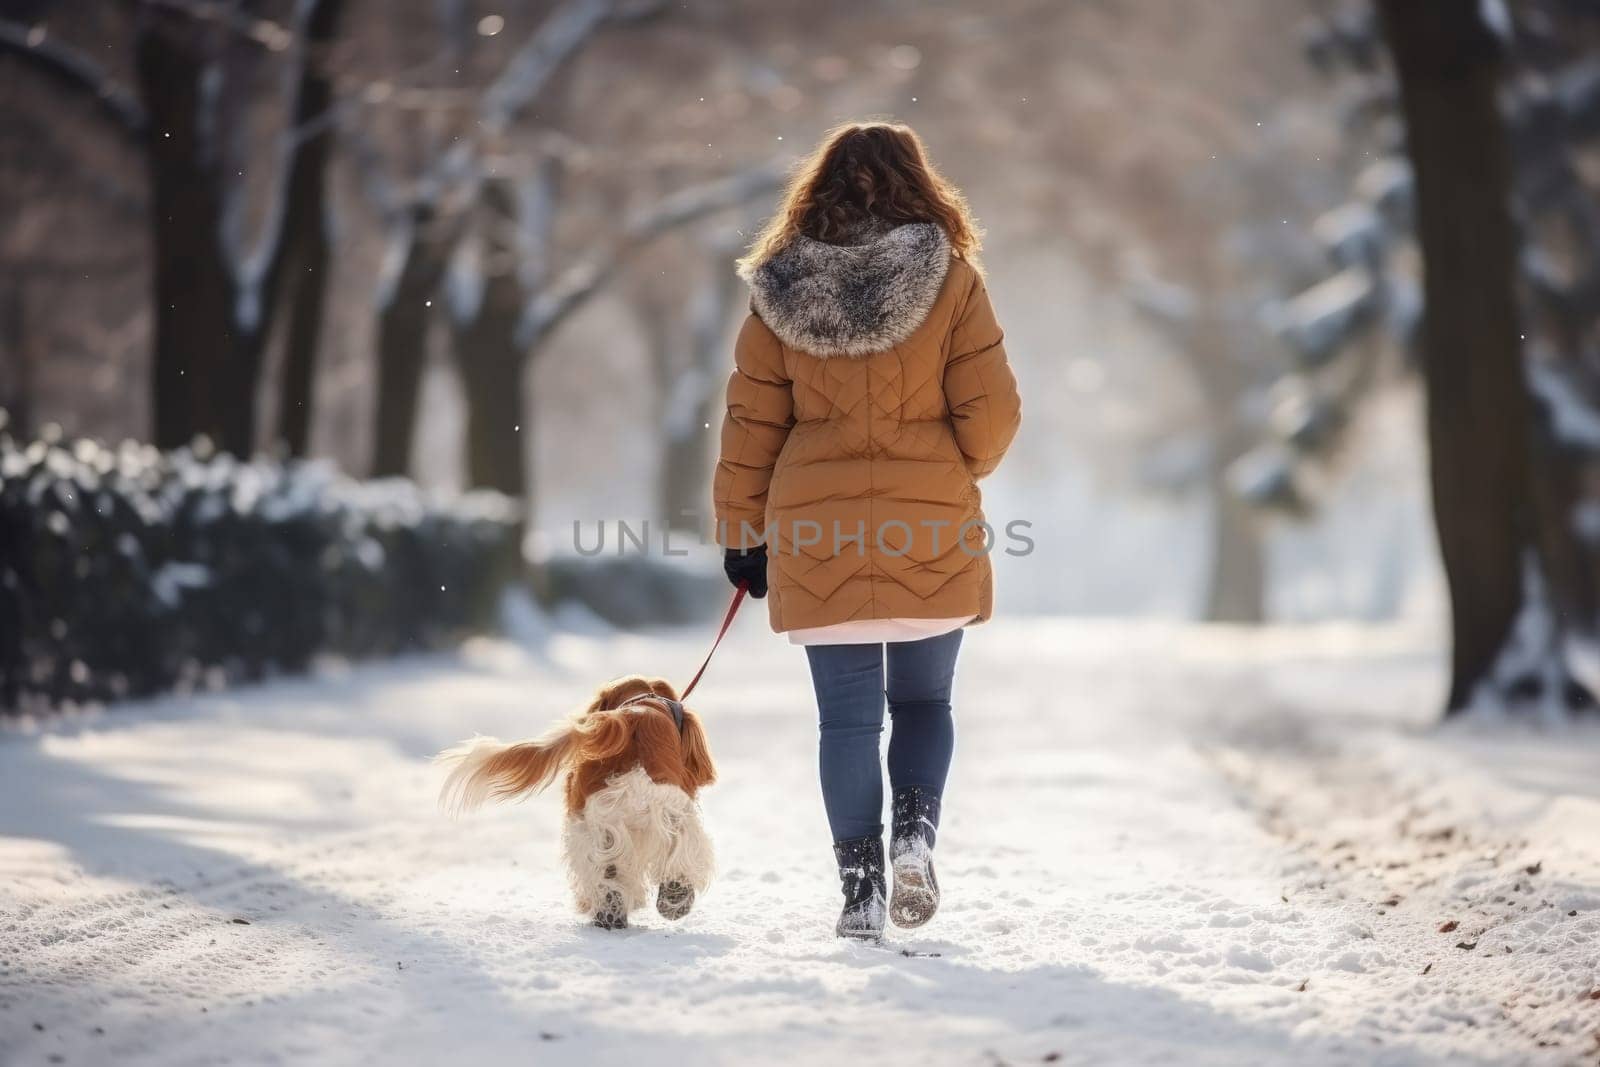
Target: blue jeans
(850, 685)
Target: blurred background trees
(1479, 121)
(489, 245)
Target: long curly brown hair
(865, 172)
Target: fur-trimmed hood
(851, 299)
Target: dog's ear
(696, 753)
(607, 697)
(603, 735)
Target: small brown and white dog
(635, 759)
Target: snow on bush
(127, 571)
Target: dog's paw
(674, 899)
(612, 914)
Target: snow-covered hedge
(129, 571)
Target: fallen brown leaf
(1446, 927)
(1535, 867)
(1428, 968)
(1467, 945)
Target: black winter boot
(915, 825)
(861, 877)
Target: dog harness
(667, 704)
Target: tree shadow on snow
(102, 957)
(1075, 1014)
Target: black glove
(747, 565)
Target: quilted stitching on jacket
(824, 447)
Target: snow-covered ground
(1162, 844)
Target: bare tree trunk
(306, 232)
(435, 226)
(491, 361)
(404, 314)
(16, 361)
(215, 305)
(1448, 69)
(192, 291)
(236, 382)
(1238, 586)
(519, 307)
(307, 293)
(492, 376)
(676, 499)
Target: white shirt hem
(877, 631)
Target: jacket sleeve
(760, 414)
(979, 388)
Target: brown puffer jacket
(870, 393)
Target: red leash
(727, 621)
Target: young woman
(870, 393)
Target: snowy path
(1162, 844)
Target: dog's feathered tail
(488, 769)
